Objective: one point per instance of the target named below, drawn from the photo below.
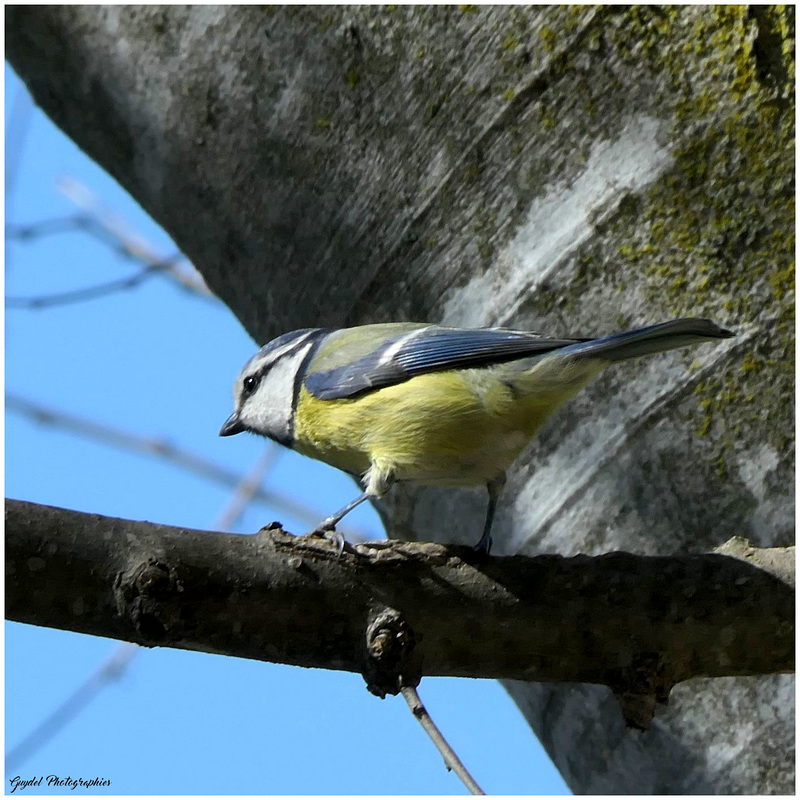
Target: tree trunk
(571, 170)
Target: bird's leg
(327, 527)
(377, 483)
(495, 487)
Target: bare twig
(90, 293)
(17, 129)
(451, 760)
(111, 670)
(134, 245)
(83, 223)
(246, 489)
(113, 231)
(162, 448)
(113, 667)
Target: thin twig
(134, 245)
(110, 229)
(111, 670)
(90, 293)
(17, 130)
(164, 449)
(246, 490)
(83, 223)
(113, 667)
(451, 760)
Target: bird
(427, 404)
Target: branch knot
(144, 596)
(392, 660)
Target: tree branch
(638, 624)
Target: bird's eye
(249, 384)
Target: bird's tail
(644, 341)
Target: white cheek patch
(270, 411)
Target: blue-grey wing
(427, 349)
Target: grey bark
(568, 170)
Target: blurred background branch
(118, 662)
(246, 489)
(108, 672)
(97, 221)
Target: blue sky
(159, 362)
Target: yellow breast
(444, 428)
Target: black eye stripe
(271, 354)
(279, 349)
(250, 383)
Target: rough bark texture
(569, 170)
(638, 624)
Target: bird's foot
(484, 546)
(327, 530)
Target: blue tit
(427, 404)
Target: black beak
(232, 426)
